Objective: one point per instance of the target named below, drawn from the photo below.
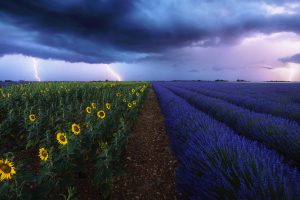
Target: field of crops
(60, 139)
(234, 141)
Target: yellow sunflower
(93, 105)
(7, 170)
(32, 117)
(107, 106)
(103, 145)
(101, 114)
(88, 109)
(134, 103)
(129, 105)
(118, 94)
(137, 94)
(43, 154)
(62, 138)
(76, 129)
(133, 90)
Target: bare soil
(148, 163)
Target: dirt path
(149, 166)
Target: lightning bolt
(292, 73)
(117, 76)
(36, 72)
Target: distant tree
(241, 80)
(276, 81)
(221, 80)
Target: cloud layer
(106, 31)
(293, 59)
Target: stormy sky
(150, 40)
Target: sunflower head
(107, 106)
(118, 94)
(101, 114)
(133, 90)
(88, 109)
(103, 145)
(129, 105)
(62, 138)
(93, 105)
(76, 129)
(32, 117)
(43, 154)
(7, 170)
(134, 103)
(137, 94)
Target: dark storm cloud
(293, 59)
(269, 68)
(107, 31)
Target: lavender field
(234, 140)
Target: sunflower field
(60, 139)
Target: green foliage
(31, 117)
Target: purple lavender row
(279, 92)
(276, 133)
(282, 93)
(290, 110)
(216, 163)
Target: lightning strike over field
(293, 71)
(110, 70)
(35, 66)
